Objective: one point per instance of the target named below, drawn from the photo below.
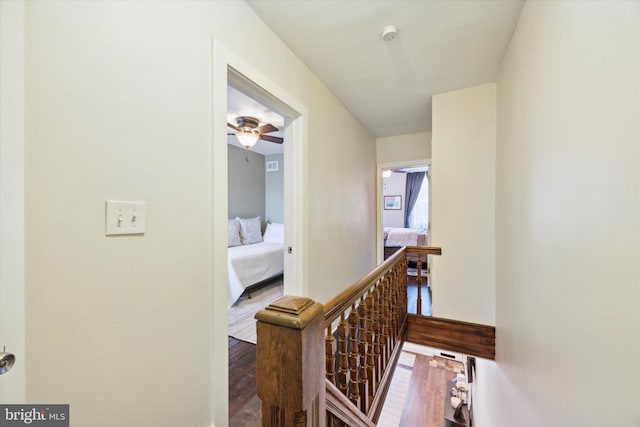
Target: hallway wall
(118, 106)
(463, 175)
(567, 209)
(403, 148)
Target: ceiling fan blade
(270, 138)
(268, 128)
(232, 126)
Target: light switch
(125, 217)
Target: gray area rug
(242, 324)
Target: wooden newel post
(290, 363)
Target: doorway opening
(230, 70)
(405, 213)
(255, 208)
(406, 207)
(255, 239)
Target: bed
(405, 236)
(252, 257)
(395, 238)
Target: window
(419, 216)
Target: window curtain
(414, 183)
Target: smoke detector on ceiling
(389, 33)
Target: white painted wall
(568, 203)
(401, 148)
(334, 179)
(463, 204)
(395, 185)
(12, 227)
(118, 106)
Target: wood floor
(416, 397)
(244, 405)
(424, 405)
(412, 297)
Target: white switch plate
(125, 218)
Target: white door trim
(228, 66)
(12, 245)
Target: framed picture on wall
(393, 203)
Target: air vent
(272, 166)
(448, 355)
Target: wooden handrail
(362, 350)
(346, 298)
(360, 353)
(341, 302)
(364, 328)
(426, 250)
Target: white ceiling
(441, 46)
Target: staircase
(357, 336)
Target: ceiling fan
(249, 131)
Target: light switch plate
(125, 217)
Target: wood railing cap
(290, 312)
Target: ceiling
(388, 86)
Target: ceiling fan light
(247, 138)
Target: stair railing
(357, 336)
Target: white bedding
(250, 264)
(405, 237)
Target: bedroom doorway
(228, 69)
(256, 227)
(255, 210)
(405, 220)
(405, 208)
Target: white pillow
(250, 230)
(233, 226)
(274, 233)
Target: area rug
(242, 324)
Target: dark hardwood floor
(412, 297)
(244, 405)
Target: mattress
(251, 264)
